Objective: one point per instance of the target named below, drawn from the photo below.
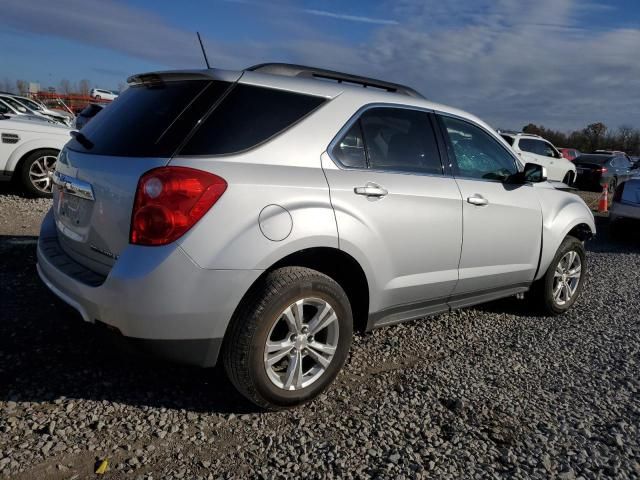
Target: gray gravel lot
(488, 392)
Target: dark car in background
(596, 170)
(87, 114)
(570, 153)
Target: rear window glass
(247, 116)
(599, 159)
(149, 120)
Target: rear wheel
(561, 285)
(36, 172)
(289, 338)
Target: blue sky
(561, 63)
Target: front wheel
(561, 285)
(289, 338)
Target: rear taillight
(169, 201)
(602, 170)
(617, 196)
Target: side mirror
(532, 173)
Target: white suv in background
(101, 94)
(535, 149)
(28, 152)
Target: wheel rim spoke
(575, 273)
(322, 348)
(297, 314)
(322, 320)
(294, 372)
(277, 351)
(318, 357)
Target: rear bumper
(624, 210)
(155, 295)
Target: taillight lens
(602, 170)
(169, 201)
(617, 196)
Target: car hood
(33, 125)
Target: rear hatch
(98, 171)
(589, 169)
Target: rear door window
(400, 140)
(248, 116)
(390, 139)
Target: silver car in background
(258, 217)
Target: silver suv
(260, 216)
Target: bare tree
(65, 86)
(595, 135)
(22, 86)
(84, 86)
(7, 86)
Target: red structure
(72, 101)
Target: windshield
(15, 104)
(29, 103)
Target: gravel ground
(485, 392)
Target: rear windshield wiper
(82, 140)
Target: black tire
(244, 344)
(568, 179)
(541, 295)
(24, 174)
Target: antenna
(206, 60)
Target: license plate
(69, 208)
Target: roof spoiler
(291, 70)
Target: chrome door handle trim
(370, 190)
(73, 186)
(477, 200)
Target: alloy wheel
(301, 344)
(567, 277)
(40, 173)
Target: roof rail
(291, 70)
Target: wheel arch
(17, 157)
(336, 264)
(582, 228)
